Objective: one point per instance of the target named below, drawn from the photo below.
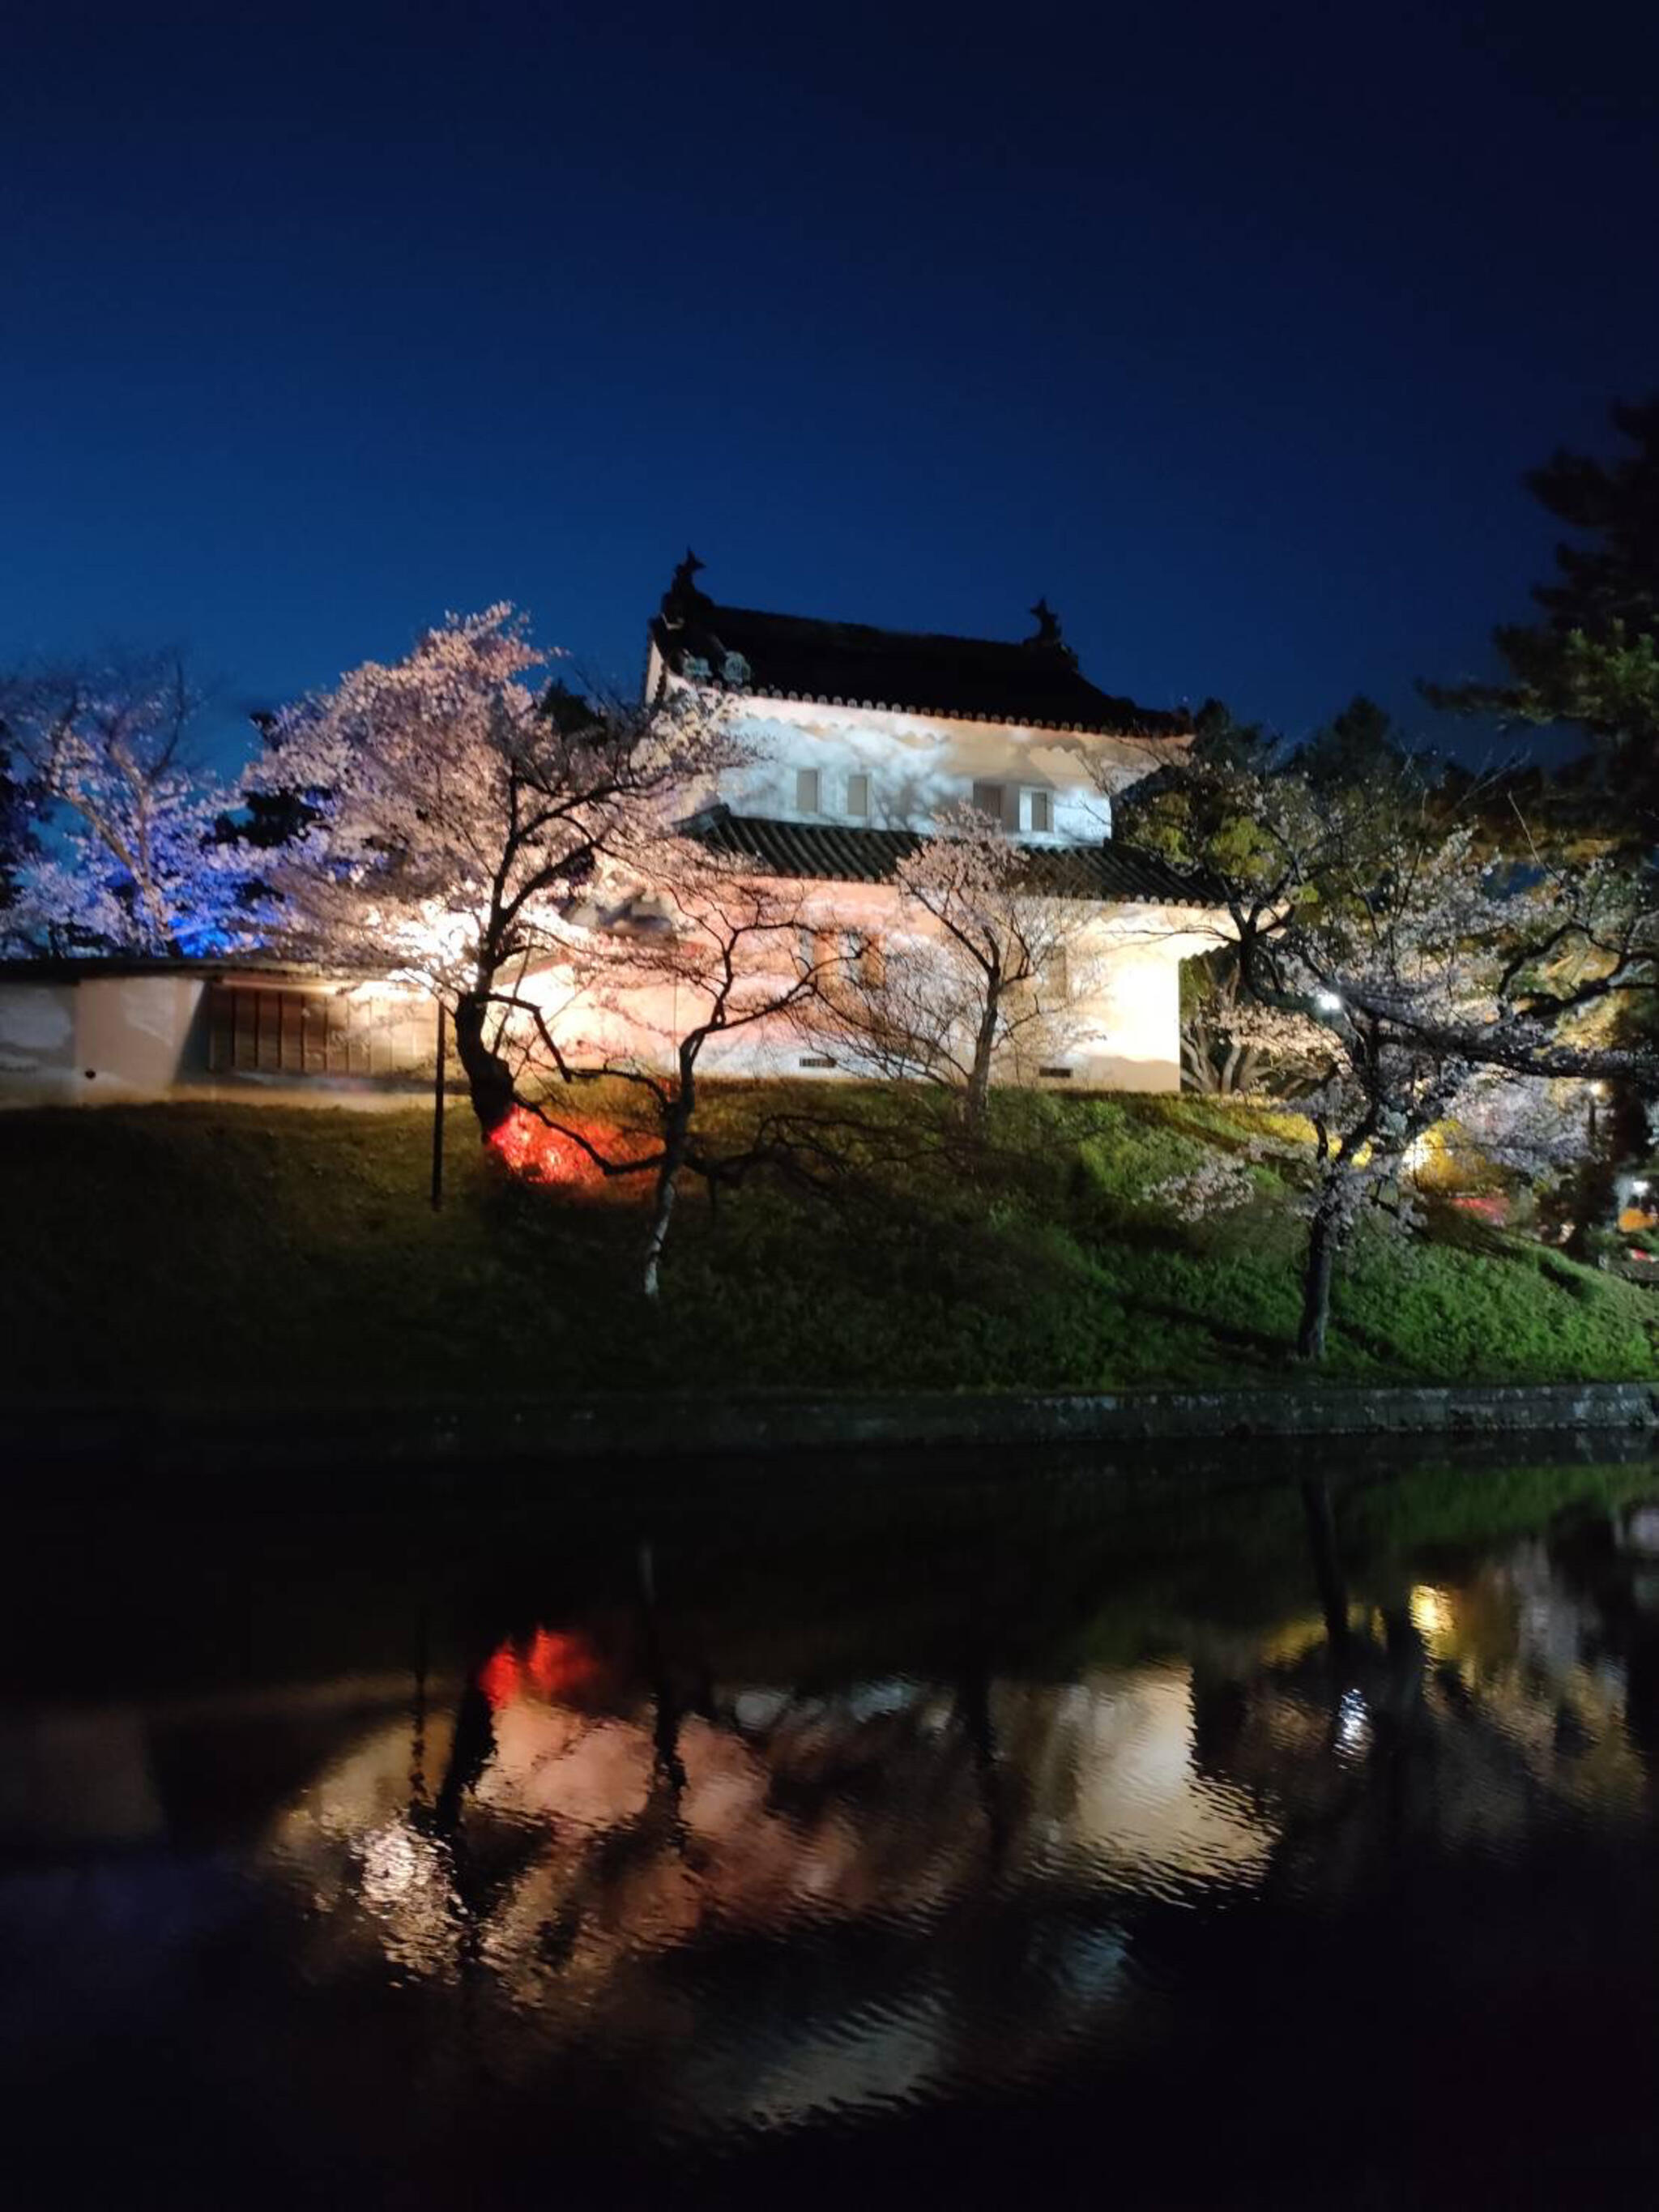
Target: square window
(987, 800)
(806, 791)
(1042, 811)
(857, 796)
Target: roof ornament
(682, 597)
(1047, 631)
(1048, 625)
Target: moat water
(858, 1835)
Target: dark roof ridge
(1031, 682)
(886, 630)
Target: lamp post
(438, 1115)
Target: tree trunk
(1318, 1269)
(676, 1132)
(662, 1213)
(490, 1079)
(977, 1097)
(1327, 1564)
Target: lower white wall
(128, 1039)
(96, 1041)
(135, 1040)
(1121, 1031)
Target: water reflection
(659, 1838)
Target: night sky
(1229, 329)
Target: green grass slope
(291, 1252)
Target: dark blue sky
(1229, 330)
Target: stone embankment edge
(666, 1427)
(685, 1426)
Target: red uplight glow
(1495, 1209)
(541, 1155)
(530, 1149)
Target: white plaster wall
(919, 764)
(95, 1042)
(1122, 1031)
(128, 1039)
(132, 1033)
(37, 1044)
(132, 1040)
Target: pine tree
(1594, 658)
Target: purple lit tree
(125, 852)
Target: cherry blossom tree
(124, 852)
(1403, 977)
(458, 811)
(975, 974)
(1339, 874)
(19, 840)
(697, 954)
(1400, 954)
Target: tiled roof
(1036, 684)
(833, 852)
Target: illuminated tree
(1392, 966)
(1215, 1058)
(696, 953)
(457, 811)
(18, 841)
(974, 977)
(123, 857)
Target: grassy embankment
(180, 1249)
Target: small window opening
(806, 791)
(1055, 1075)
(857, 796)
(1042, 811)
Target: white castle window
(806, 791)
(857, 797)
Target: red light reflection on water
(499, 1676)
(549, 1663)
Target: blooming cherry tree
(698, 952)
(126, 851)
(974, 975)
(1393, 968)
(459, 812)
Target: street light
(1328, 1002)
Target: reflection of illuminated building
(873, 1808)
(710, 1870)
(1431, 1615)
